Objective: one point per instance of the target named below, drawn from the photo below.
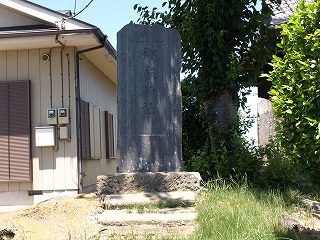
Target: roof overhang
(44, 14)
(104, 58)
(61, 30)
(32, 40)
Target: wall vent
(45, 57)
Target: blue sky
(108, 15)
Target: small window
(95, 132)
(90, 131)
(111, 139)
(85, 130)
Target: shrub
(296, 93)
(236, 158)
(279, 171)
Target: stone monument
(149, 99)
(266, 122)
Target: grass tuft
(236, 211)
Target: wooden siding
(58, 170)
(101, 92)
(52, 170)
(101, 95)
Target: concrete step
(147, 198)
(163, 215)
(138, 216)
(168, 222)
(146, 231)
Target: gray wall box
(45, 136)
(149, 99)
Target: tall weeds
(234, 211)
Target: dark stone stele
(149, 99)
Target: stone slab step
(153, 221)
(116, 216)
(146, 231)
(147, 198)
(151, 210)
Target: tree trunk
(221, 112)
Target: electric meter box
(51, 116)
(63, 116)
(45, 136)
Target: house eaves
(104, 58)
(76, 37)
(44, 14)
(53, 29)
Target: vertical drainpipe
(78, 110)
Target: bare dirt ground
(74, 218)
(70, 217)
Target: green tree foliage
(194, 127)
(279, 171)
(296, 93)
(224, 44)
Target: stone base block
(121, 183)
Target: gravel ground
(305, 225)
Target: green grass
(235, 211)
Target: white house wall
(101, 94)
(52, 170)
